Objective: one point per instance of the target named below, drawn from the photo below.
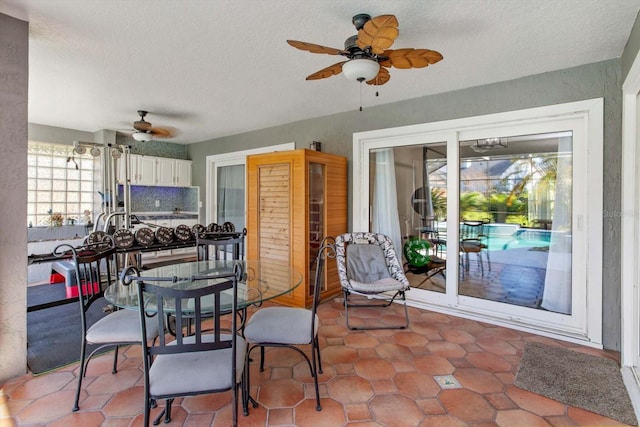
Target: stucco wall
(14, 73)
(631, 49)
(598, 80)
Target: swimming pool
(512, 236)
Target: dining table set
(191, 318)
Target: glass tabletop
(259, 281)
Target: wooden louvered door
(273, 212)
(274, 222)
(288, 213)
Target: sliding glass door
(230, 195)
(499, 220)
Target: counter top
(151, 216)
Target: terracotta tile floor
(373, 378)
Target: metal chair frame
(94, 265)
(474, 240)
(167, 296)
(327, 249)
(394, 266)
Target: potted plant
(55, 218)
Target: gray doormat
(54, 334)
(576, 379)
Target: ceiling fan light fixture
(142, 136)
(360, 69)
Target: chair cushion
(366, 263)
(283, 325)
(120, 326)
(377, 286)
(471, 246)
(199, 371)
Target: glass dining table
(259, 281)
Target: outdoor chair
(215, 246)
(191, 364)
(474, 240)
(368, 266)
(93, 271)
(293, 327)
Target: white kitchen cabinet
(122, 171)
(182, 173)
(146, 170)
(165, 172)
(174, 172)
(142, 170)
(159, 171)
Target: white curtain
(385, 218)
(557, 284)
(230, 195)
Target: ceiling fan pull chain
(360, 95)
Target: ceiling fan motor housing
(360, 19)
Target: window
(59, 184)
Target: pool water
(503, 243)
(512, 236)
(508, 236)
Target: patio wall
(14, 73)
(574, 84)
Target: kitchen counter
(63, 232)
(152, 216)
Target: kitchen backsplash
(143, 198)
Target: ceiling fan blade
(316, 48)
(141, 125)
(162, 132)
(379, 33)
(382, 77)
(331, 70)
(410, 58)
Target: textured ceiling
(221, 67)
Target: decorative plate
(183, 233)
(198, 229)
(145, 236)
(213, 228)
(228, 227)
(96, 237)
(123, 238)
(164, 235)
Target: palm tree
(473, 206)
(439, 201)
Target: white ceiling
(220, 67)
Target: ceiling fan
(368, 54)
(145, 132)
